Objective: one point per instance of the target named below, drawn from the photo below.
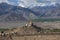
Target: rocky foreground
(29, 32)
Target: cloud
(3, 1)
(13, 2)
(9, 2)
(28, 3)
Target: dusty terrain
(48, 24)
(32, 37)
(31, 33)
(20, 24)
(38, 37)
(11, 24)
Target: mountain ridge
(18, 13)
(48, 11)
(15, 13)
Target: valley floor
(35, 37)
(39, 24)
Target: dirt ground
(20, 24)
(37, 37)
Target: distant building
(30, 23)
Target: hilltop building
(30, 23)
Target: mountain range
(48, 11)
(17, 13)
(31, 3)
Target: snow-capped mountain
(17, 13)
(31, 3)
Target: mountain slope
(48, 11)
(15, 13)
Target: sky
(27, 3)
